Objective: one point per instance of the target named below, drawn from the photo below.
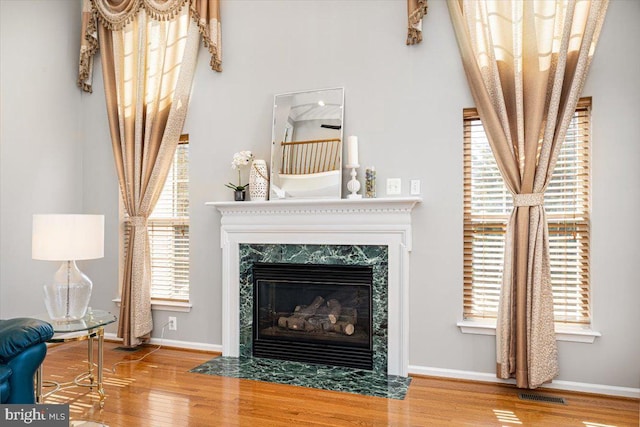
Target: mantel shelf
(386, 204)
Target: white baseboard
(557, 384)
(187, 345)
(112, 337)
(435, 372)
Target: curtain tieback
(138, 221)
(529, 199)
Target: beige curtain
(115, 14)
(148, 61)
(417, 10)
(526, 63)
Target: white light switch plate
(394, 186)
(415, 187)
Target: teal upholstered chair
(22, 350)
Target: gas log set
(321, 316)
(313, 313)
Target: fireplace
(314, 313)
(371, 232)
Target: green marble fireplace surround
(373, 383)
(375, 256)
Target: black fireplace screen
(313, 313)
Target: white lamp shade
(62, 237)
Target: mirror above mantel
(306, 150)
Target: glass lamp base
(67, 297)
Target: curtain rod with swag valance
(417, 10)
(116, 14)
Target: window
(168, 228)
(488, 204)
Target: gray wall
(405, 104)
(41, 164)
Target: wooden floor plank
(160, 391)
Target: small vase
(370, 180)
(258, 181)
(239, 195)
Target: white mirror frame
(306, 160)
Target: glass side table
(90, 327)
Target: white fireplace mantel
(380, 221)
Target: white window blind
(168, 228)
(488, 204)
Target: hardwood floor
(160, 391)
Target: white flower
(243, 158)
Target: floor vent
(541, 398)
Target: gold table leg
(39, 384)
(100, 363)
(81, 379)
(90, 359)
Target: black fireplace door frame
(313, 352)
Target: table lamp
(67, 238)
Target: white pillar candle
(352, 151)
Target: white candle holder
(354, 185)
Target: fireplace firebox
(315, 313)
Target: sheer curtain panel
(526, 63)
(149, 51)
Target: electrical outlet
(173, 324)
(394, 186)
(415, 187)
